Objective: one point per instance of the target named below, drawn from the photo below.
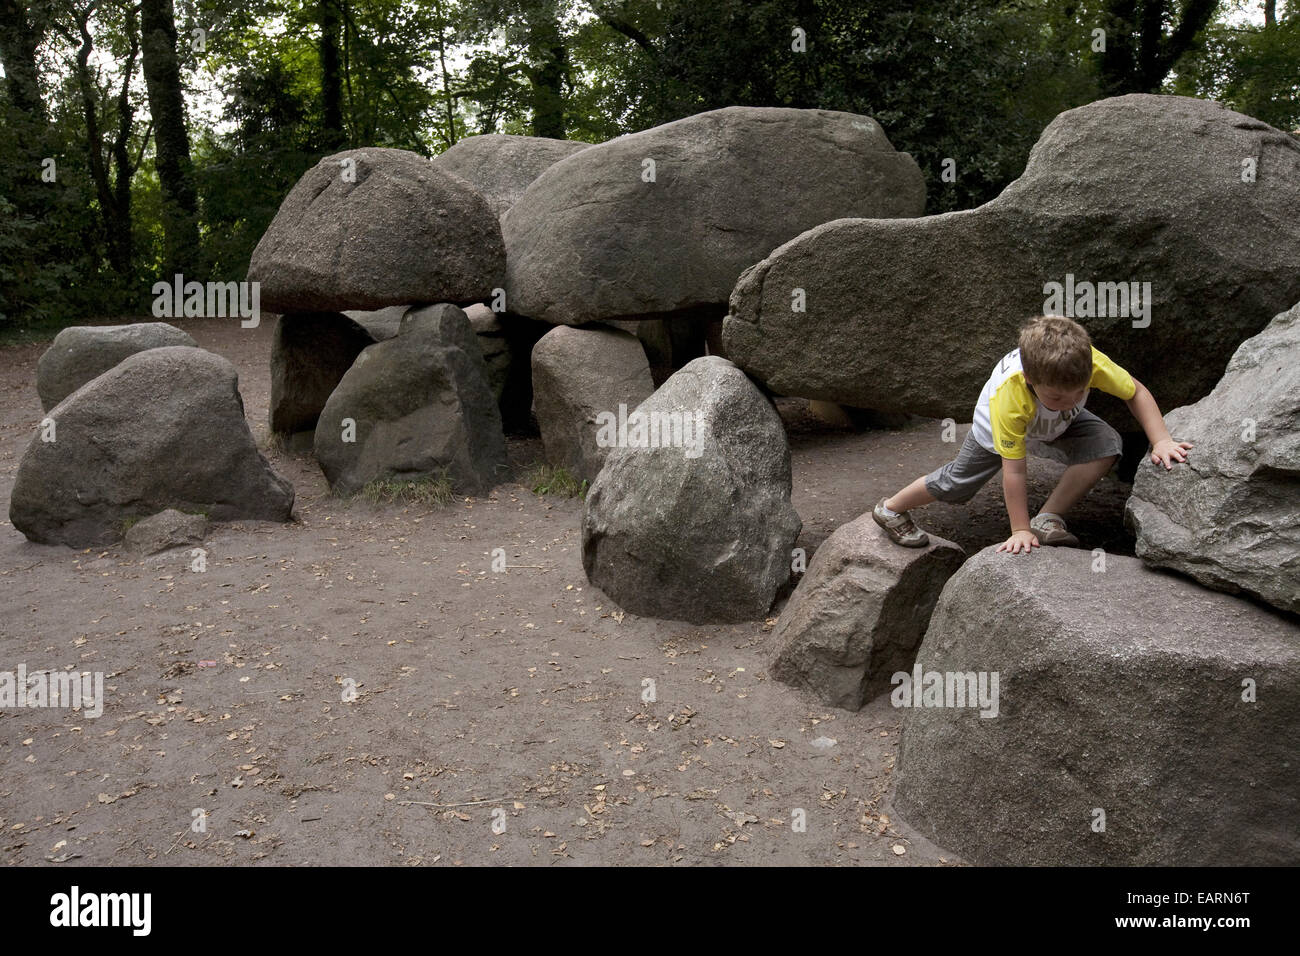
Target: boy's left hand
(1166, 451)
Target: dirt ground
(499, 716)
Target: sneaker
(900, 528)
(1052, 531)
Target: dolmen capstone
(663, 222)
(370, 228)
(1161, 223)
(501, 166)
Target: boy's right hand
(1020, 540)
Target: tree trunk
(114, 198)
(548, 62)
(448, 97)
(1138, 55)
(162, 78)
(331, 77)
(19, 38)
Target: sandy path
(518, 694)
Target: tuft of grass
(276, 443)
(546, 479)
(429, 490)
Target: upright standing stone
(578, 375)
(699, 528)
(412, 406)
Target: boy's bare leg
(1074, 484)
(913, 496)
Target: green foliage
(1252, 69)
(435, 490)
(546, 479)
(974, 81)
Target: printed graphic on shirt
(1008, 414)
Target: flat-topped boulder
(1081, 709)
(164, 531)
(859, 613)
(1191, 205)
(664, 221)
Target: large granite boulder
(1138, 719)
(694, 523)
(593, 238)
(578, 375)
(501, 166)
(859, 613)
(911, 315)
(162, 429)
(370, 228)
(1230, 516)
(82, 352)
(412, 406)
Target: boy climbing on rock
(1034, 401)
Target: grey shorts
(1087, 439)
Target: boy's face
(1059, 399)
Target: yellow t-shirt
(1008, 414)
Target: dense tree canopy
(146, 137)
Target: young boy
(1034, 401)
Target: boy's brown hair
(1056, 352)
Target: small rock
(165, 530)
